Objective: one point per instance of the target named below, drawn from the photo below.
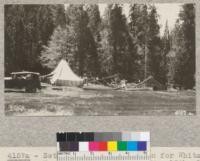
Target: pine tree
(176, 37)
(139, 32)
(166, 63)
(59, 47)
(94, 20)
(85, 48)
(185, 64)
(95, 28)
(154, 56)
(106, 50)
(119, 41)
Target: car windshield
(24, 75)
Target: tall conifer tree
(154, 56)
(119, 40)
(185, 56)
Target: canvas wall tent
(64, 76)
(150, 82)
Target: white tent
(64, 76)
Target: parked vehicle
(30, 81)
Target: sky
(166, 11)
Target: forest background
(37, 37)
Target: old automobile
(30, 81)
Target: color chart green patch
(122, 145)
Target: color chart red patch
(102, 146)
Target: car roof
(25, 72)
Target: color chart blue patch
(132, 146)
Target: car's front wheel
(34, 90)
(30, 89)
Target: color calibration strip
(102, 141)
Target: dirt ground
(76, 101)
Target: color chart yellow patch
(112, 145)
